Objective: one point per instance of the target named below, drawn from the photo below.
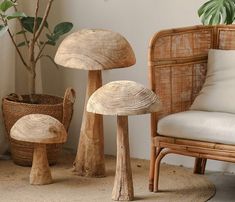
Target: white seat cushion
(218, 92)
(216, 127)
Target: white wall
(137, 20)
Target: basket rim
(30, 104)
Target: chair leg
(151, 168)
(154, 152)
(160, 155)
(199, 166)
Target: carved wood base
(90, 154)
(123, 185)
(40, 173)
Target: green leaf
(16, 15)
(22, 44)
(6, 4)
(49, 37)
(217, 12)
(3, 30)
(62, 28)
(230, 10)
(28, 23)
(53, 37)
(52, 43)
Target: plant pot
(57, 107)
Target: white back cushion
(218, 92)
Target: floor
(225, 186)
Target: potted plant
(215, 12)
(14, 106)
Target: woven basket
(57, 107)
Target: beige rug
(177, 184)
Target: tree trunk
(123, 185)
(32, 69)
(32, 82)
(90, 154)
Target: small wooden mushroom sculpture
(40, 130)
(123, 98)
(93, 50)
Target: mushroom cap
(123, 98)
(39, 128)
(95, 49)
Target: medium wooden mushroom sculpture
(93, 50)
(123, 98)
(40, 130)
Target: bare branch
(38, 44)
(35, 21)
(40, 52)
(24, 34)
(14, 43)
(33, 41)
(44, 19)
(51, 59)
(18, 51)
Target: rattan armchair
(177, 70)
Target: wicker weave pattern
(178, 62)
(177, 69)
(57, 107)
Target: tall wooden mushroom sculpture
(93, 50)
(123, 98)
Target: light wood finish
(90, 154)
(95, 49)
(123, 98)
(57, 107)
(177, 69)
(40, 130)
(40, 173)
(123, 183)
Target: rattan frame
(177, 68)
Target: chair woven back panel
(178, 62)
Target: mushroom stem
(90, 154)
(40, 173)
(123, 184)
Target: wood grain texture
(40, 172)
(95, 49)
(39, 128)
(177, 69)
(90, 154)
(22, 152)
(123, 184)
(123, 98)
